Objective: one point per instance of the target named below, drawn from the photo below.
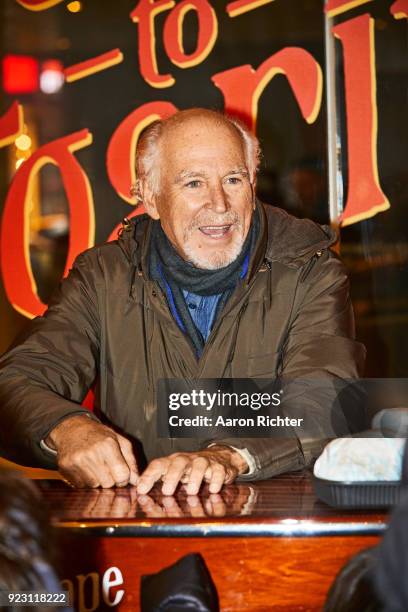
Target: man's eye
(193, 184)
(233, 180)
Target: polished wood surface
(33, 473)
(268, 545)
(286, 505)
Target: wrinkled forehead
(201, 139)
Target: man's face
(205, 200)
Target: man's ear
(148, 198)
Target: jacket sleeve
(47, 372)
(319, 357)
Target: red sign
(20, 74)
(241, 87)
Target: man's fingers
(78, 470)
(133, 478)
(154, 471)
(217, 478)
(199, 467)
(175, 471)
(208, 473)
(190, 469)
(92, 455)
(105, 479)
(99, 474)
(103, 466)
(112, 456)
(127, 452)
(78, 476)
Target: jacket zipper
(158, 293)
(310, 265)
(214, 330)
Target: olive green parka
(108, 325)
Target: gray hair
(148, 150)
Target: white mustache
(229, 219)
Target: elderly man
(208, 284)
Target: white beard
(219, 258)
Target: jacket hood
(294, 241)
(289, 240)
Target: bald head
(155, 141)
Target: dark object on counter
(353, 589)
(365, 495)
(185, 585)
(369, 494)
(391, 569)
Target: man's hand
(92, 455)
(217, 465)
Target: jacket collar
(133, 238)
(283, 238)
(294, 241)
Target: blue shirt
(202, 309)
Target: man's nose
(218, 199)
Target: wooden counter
(269, 545)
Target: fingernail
(167, 490)
(142, 488)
